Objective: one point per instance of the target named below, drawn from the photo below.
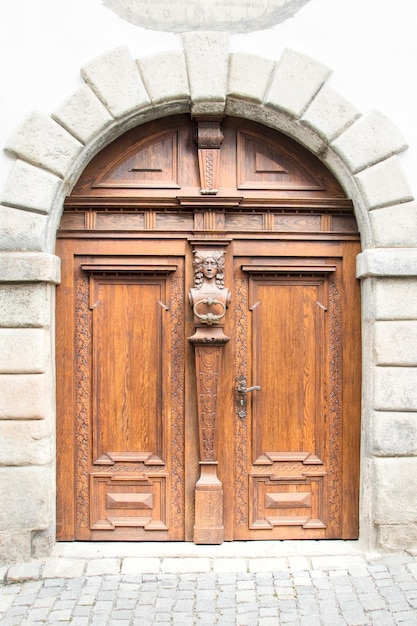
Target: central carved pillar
(209, 299)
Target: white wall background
(370, 45)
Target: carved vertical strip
(82, 395)
(241, 426)
(177, 403)
(335, 403)
(208, 361)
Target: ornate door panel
(290, 425)
(208, 341)
(127, 376)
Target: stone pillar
(27, 400)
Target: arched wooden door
(197, 403)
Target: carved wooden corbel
(209, 299)
(209, 140)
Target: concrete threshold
(232, 549)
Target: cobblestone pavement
(355, 589)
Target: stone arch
(292, 94)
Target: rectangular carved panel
(278, 503)
(289, 357)
(128, 501)
(127, 348)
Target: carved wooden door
(208, 341)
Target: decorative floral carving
(82, 394)
(335, 402)
(241, 426)
(177, 403)
(208, 367)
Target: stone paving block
(230, 565)
(337, 562)
(381, 618)
(177, 565)
(24, 571)
(63, 568)
(139, 566)
(267, 564)
(100, 567)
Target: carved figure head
(209, 264)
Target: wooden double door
(250, 431)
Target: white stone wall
(253, 76)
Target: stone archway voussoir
(296, 80)
(249, 76)
(369, 140)
(207, 56)
(41, 141)
(165, 77)
(115, 79)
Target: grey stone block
(395, 299)
(387, 262)
(396, 343)
(395, 225)
(30, 188)
(395, 389)
(23, 351)
(370, 139)
(26, 442)
(43, 142)
(207, 63)
(21, 230)
(29, 267)
(115, 79)
(83, 115)
(395, 485)
(398, 536)
(26, 496)
(165, 76)
(249, 76)
(63, 568)
(329, 114)
(296, 80)
(24, 396)
(22, 572)
(384, 184)
(25, 305)
(394, 434)
(15, 546)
